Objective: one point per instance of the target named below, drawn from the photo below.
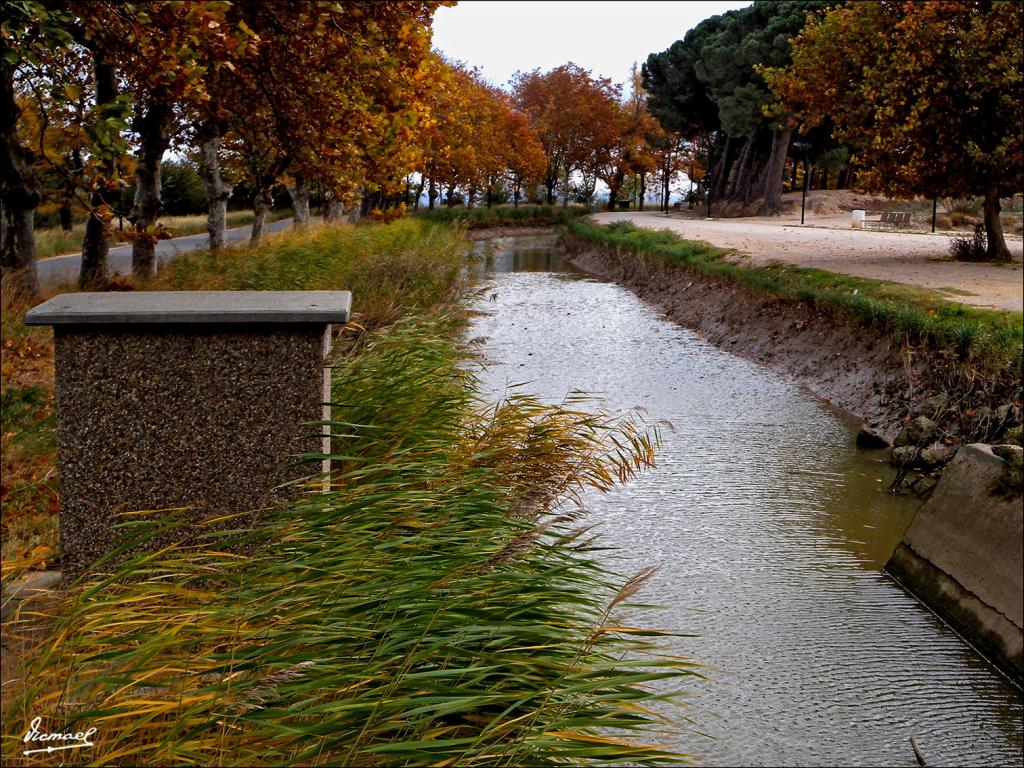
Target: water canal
(771, 531)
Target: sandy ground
(829, 242)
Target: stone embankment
(963, 556)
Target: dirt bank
(874, 376)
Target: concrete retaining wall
(963, 556)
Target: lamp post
(707, 173)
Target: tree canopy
(707, 83)
(929, 94)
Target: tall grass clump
(504, 215)
(392, 270)
(990, 339)
(437, 606)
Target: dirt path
(829, 243)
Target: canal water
(771, 531)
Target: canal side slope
(819, 333)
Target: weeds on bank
(505, 215)
(990, 339)
(28, 438)
(439, 605)
(392, 270)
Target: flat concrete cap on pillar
(216, 307)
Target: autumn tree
(27, 32)
(155, 49)
(574, 115)
(343, 107)
(475, 138)
(521, 152)
(928, 93)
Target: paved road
(65, 268)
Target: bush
(973, 248)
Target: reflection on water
(770, 530)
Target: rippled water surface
(771, 532)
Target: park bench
(889, 220)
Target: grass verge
(990, 339)
(438, 605)
(504, 215)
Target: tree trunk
(333, 210)
(666, 176)
(431, 194)
(66, 222)
(19, 193)
(218, 192)
(643, 190)
(262, 202)
(614, 187)
(996, 249)
(725, 164)
(154, 129)
(96, 243)
(550, 181)
(773, 173)
(739, 178)
(741, 169)
(19, 249)
(515, 191)
(299, 193)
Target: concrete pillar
(171, 399)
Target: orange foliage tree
(475, 139)
(576, 117)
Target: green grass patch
(504, 215)
(991, 339)
(437, 606)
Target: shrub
(973, 248)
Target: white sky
(603, 36)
